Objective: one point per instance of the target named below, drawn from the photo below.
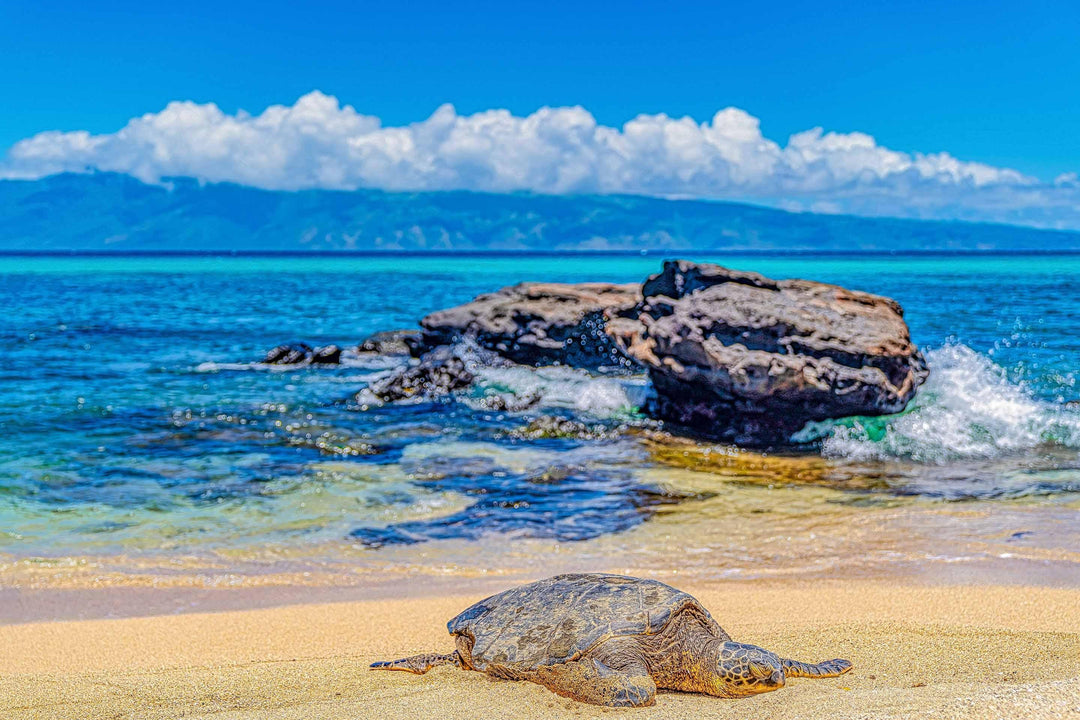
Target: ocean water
(137, 428)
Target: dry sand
(919, 651)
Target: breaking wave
(969, 408)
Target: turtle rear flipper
(418, 664)
(827, 669)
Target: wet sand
(930, 651)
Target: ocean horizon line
(508, 254)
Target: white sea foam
(969, 408)
(213, 367)
(559, 387)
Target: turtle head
(743, 670)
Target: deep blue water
(132, 422)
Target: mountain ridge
(109, 212)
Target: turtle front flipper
(590, 680)
(827, 669)
(419, 664)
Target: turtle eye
(760, 670)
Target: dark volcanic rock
(438, 373)
(303, 354)
(738, 356)
(394, 342)
(326, 355)
(288, 354)
(538, 323)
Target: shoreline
(944, 650)
(146, 596)
(738, 529)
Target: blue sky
(992, 83)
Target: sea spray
(969, 408)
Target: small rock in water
(302, 354)
(393, 342)
(438, 373)
(326, 355)
(288, 354)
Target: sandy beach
(919, 651)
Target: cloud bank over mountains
(318, 143)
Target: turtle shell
(559, 619)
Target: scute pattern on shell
(559, 619)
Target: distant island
(108, 212)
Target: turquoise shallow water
(132, 422)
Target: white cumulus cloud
(318, 143)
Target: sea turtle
(609, 640)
